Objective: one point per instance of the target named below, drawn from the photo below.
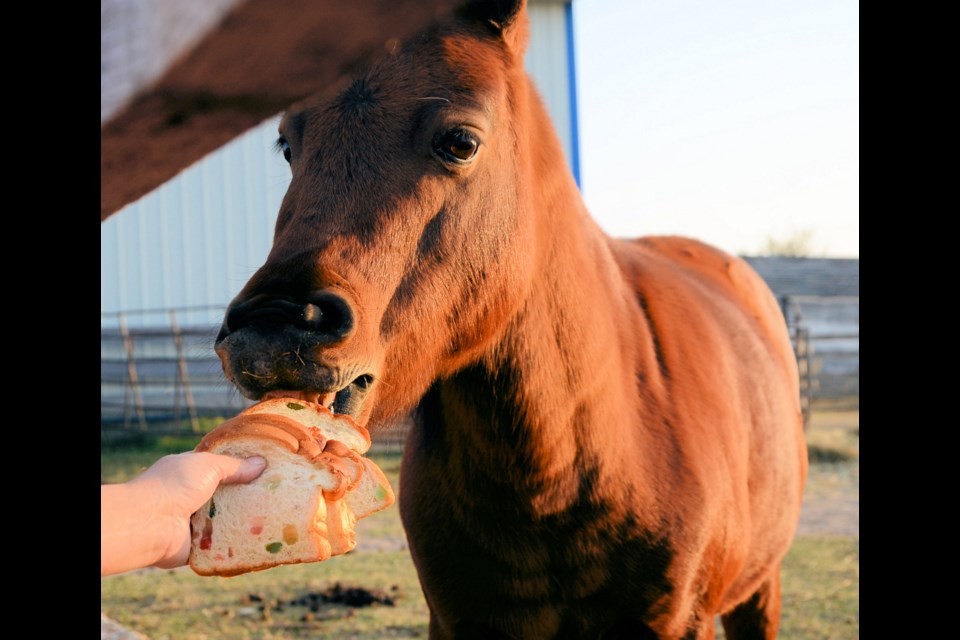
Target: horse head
(404, 242)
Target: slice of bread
(304, 506)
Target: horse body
(595, 485)
(607, 439)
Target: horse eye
(456, 146)
(284, 147)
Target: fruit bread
(304, 506)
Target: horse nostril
(328, 314)
(262, 311)
(325, 314)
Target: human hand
(184, 482)
(146, 521)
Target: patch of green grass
(179, 604)
(821, 589)
(820, 584)
(123, 459)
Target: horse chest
(483, 556)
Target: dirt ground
(831, 502)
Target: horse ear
(508, 18)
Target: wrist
(158, 520)
(133, 533)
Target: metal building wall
(550, 61)
(196, 240)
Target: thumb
(243, 470)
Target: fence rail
(158, 374)
(826, 340)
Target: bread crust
(280, 429)
(305, 414)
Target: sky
(733, 121)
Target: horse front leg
(759, 616)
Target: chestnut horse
(608, 437)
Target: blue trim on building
(572, 74)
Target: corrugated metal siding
(548, 63)
(197, 239)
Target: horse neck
(546, 405)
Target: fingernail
(257, 461)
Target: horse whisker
(297, 355)
(259, 377)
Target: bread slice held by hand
(304, 506)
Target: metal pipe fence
(159, 373)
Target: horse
(607, 437)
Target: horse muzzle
(276, 345)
